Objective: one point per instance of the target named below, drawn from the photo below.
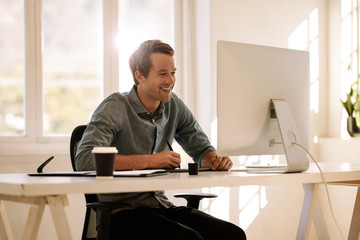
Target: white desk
(52, 191)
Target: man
(141, 124)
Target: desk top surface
(20, 184)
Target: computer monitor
(260, 90)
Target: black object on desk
(193, 168)
(41, 167)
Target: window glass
(349, 52)
(72, 63)
(12, 68)
(141, 20)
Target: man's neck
(151, 106)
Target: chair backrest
(75, 139)
(89, 229)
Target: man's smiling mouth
(166, 89)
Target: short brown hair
(140, 59)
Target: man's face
(159, 83)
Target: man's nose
(171, 79)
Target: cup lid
(104, 150)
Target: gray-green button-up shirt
(122, 121)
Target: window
(12, 68)
(139, 21)
(57, 81)
(72, 60)
(349, 49)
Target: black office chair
(104, 208)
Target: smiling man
(140, 124)
(157, 86)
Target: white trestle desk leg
(57, 207)
(34, 218)
(5, 229)
(307, 211)
(319, 222)
(355, 221)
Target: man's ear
(139, 76)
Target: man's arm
(215, 162)
(166, 159)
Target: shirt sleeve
(190, 135)
(100, 132)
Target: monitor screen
(248, 77)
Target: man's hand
(215, 162)
(221, 163)
(166, 159)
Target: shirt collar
(137, 105)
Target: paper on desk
(140, 173)
(126, 173)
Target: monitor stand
(296, 157)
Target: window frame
(33, 141)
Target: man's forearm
(132, 162)
(165, 159)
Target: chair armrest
(193, 199)
(104, 205)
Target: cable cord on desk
(326, 188)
